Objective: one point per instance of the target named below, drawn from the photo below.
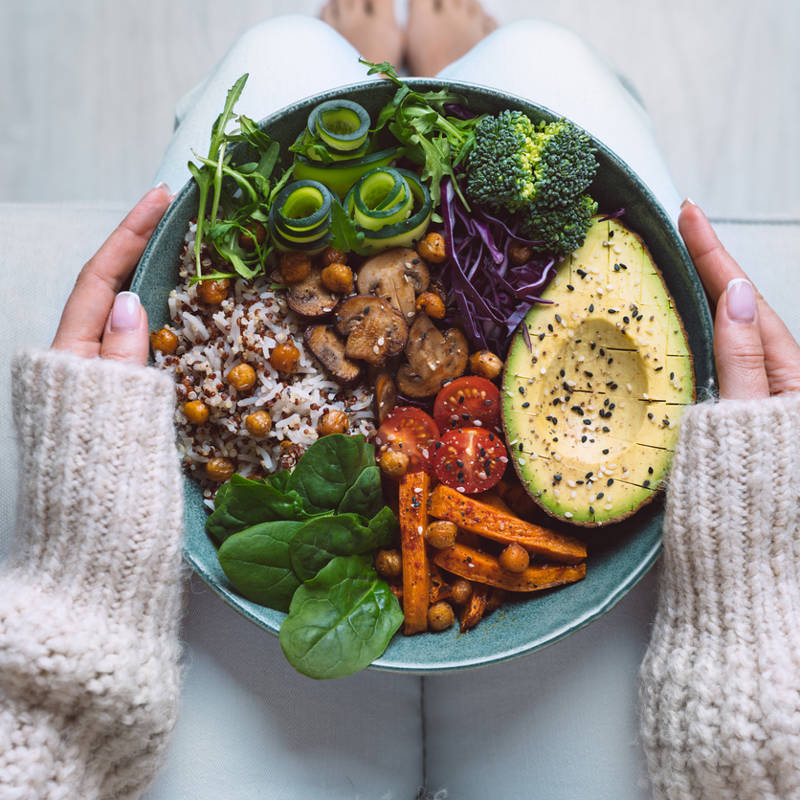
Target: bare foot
(369, 25)
(441, 31)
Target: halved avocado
(594, 393)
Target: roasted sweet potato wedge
(484, 568)
(472, 515)
(413, 507)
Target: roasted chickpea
(219, 469)
(164, 341)
(486, 364)
(461, 591)
(285, 358)
(196, 412)
(294, 267)
(431, 304)
(441, 534)
(431, 248)
(255, 234)
(514, 558)
(213, 292)
(242, 377)
(258, 424)
(440, 616)
(520, 254)
(388, 563)
(338, 278)
(393, 463)
(333, 421)
(330, 255)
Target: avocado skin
(591, 410)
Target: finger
(126, 336)
(87, 309)
(738, 350)
(717, 268)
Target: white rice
(246, 327)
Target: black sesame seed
(583, 438)
(610, 482)
(649, 415)
(525, 404)
(605, 452)
(581, 272)
(591, 308)
(606, 429)
(600, 495)
(645, 484)
(650, 470)
(570, 287)
(591, 510)
(557, 477)
(550, 327)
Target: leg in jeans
(268, 52)
(553, 67)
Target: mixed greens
(300, 542)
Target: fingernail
(688, 202)
(741, 301)
(164, 186)
(125, 313)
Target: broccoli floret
(538, 172)
(558, 229)
(501, 162)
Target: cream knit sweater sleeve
(90, 600)
(720, 683)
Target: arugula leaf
(328, 468)
(434, 139)
(257, 562)
(341, 620)
(324, 538)
(345, 235)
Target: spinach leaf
(328, 468)
(324, 538)
(365, 495)
(384, 526)
(256, 561)
(340, 621)
(244, 502)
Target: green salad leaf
(242, 502)
(328, 468)
(341, 620)
(257, 562)
(275, 534)
(323, 538)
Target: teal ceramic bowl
(619, 555)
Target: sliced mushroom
(396, 276)
(385, 395)
(310, 298)
(433, 358)
(323, 342)
(374, 330)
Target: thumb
(738, 349)
(125, 337)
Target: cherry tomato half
(411, 431)
(470, 459)
(467, 402)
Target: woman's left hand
(756, 355)
(98, 319)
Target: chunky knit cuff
(100, 506)
(720, 690)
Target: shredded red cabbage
(490, 294)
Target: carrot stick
(472, 613)
(484, 568)
(413, 514)
(472, 515)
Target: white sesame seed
(568, 514)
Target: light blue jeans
(536, 60)
(560, 723)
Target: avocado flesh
(591, 410)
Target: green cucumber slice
(341, 175)
(342, 124)
(380, 198)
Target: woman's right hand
(756, 355)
